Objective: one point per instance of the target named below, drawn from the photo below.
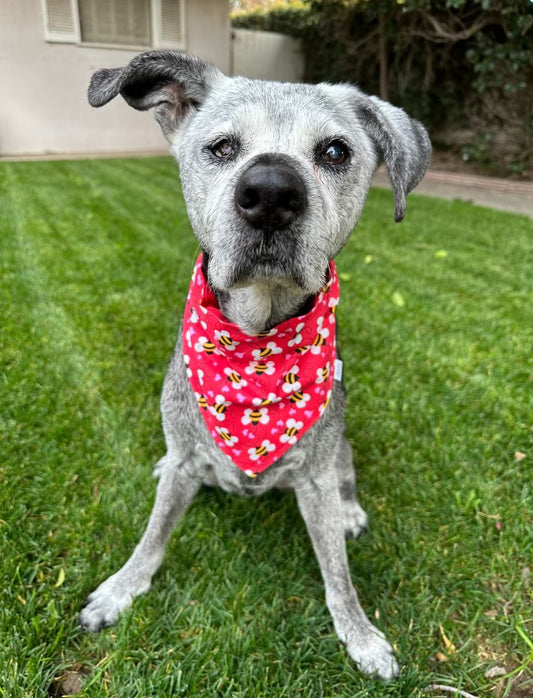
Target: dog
(274, 177)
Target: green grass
(95, 262)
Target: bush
(463, 67)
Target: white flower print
(187, 360)
(332, 305)
(319, 340)
(323, 406)
(290, 435)
(262, 450)
(291, 381)
(269, 400)
(224, 339)
(298, 336)
(205, 345)
(259, 416)
(259, 367)
(219, 408)
(226, 436)
(200, 375)
(300, 399)
(322, 374)
(235, 379)
(268, 350)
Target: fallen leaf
(398, 299)
(343, 276)
(495, 671)
(60, 578)
(448, 644)
(440, 657)
(519, 456)
(369, 259)
(440, 254)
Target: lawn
(436, 330)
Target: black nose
(270, 195)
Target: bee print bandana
(258, 395)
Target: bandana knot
(258, 395)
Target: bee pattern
(258, 395)
(270, 349)
(264, 402)
(322, 374)
(225, 340)
(332, 305)
(297, 338)
(262, 450)
(319, 341)
(291, 382)
(236, 380)
(219, 408)
(204, 344)
(300, 399)
(323, 406)
(290, 435)
(267, 333)
(261, 367)
(224, 434)
(259, 416)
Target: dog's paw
(103, 607)
(374, 656)
(355, 519)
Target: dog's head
(275, 175)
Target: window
(132, 23)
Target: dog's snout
(270, 195)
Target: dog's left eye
(335, 153)
(223, 149)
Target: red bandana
(259, 395)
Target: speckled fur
(259, 281)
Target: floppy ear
(403, 144)
(171, 82)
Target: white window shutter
(169, 23)
(117, 22)
(61, 21)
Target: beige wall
(267, 56)
(43, 86)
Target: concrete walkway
(503, 194)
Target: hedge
(463, 67)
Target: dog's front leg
(175, 491)
(320, 505)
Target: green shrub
(460, 66)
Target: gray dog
(275, 177)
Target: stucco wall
(267, 56)
(44, 107)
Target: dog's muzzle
(270, 194)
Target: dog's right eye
(223, 149)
